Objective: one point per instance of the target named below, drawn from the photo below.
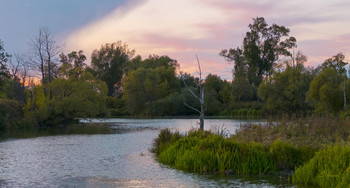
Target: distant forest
(48, 88)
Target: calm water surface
(119, 159)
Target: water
(119, 159)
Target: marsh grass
(204, 151)
(316, 131)
(317, 149)
(330, 167)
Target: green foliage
(262, 46)
(9, 110)
(325, 91)
(288, 156)
(4, 72)
(336, 63)
(214, 97)
(164, 139)
(109, 64)
(115, 106)
(71, 99)
(203, 151)
(330, 167)
(286, 91)
(72, 65)
(153, 80)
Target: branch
(200, 70)
(192, 107)
(189, 89)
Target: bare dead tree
(23, 72)
(199, 97)
(45, 49)
(19, 72)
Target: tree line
(47, 87)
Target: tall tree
(262, 47)
(328, 90)
(72, 64)
(109, 64)
(286, 91)
(45, 49)
(154, 79)
(4, 72)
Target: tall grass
(329, 168)
(316, 131)
(203, 151)
(317, 148)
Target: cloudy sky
(177, 28)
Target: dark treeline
(47, 87)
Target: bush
(287, 156)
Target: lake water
(118, 156)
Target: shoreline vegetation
(314, 151)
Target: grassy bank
(316, 151)
(203, 151)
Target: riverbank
(299, 146)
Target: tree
(109, 64)
(262, 47)
(336, 62)
(325, 91)
(328, 90)
(286, 91)
(73, 64)
(45, 49)
(152, 80)
(213, 86)
(4, 72)
(199, 97)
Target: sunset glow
(181, 29)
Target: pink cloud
(206, 27)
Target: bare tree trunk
(200, 98)
(201, 117)
(45, 49)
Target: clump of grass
(213, 153)
(204, 151)
(288, 156)
(165, 138)
(330, 167)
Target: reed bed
(315, 150)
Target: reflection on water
(75, 157)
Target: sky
(180, 29)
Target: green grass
(316, 150)
(203, 151)
(330, 167)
